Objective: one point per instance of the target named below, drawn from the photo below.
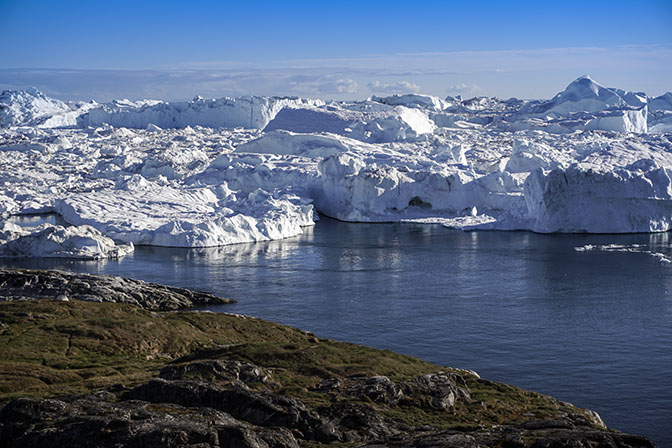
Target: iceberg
(215, 172)
(32, 108)
(582, 95)
(585, 200)
(586, 104)
(252, 112)
(155, 215)
(660, 114)
(49, 241)
(375, 123)
(426, 102)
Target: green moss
(50, 349)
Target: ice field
(215, 172)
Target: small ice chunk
(61, 298)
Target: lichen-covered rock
(235, 372)
(438, 390)
(86, 422)
(261, 409)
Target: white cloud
(462, 88)
(322, 85)
(402, 86)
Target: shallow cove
(588, 327)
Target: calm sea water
(592, 328)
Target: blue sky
(346, 49)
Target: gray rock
(84, 422)
(436, 390)
(22, 284)
(235, 372)
(258, 408)
(189, 413)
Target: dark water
(592, 328)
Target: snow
(206, 173)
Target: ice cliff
(213, 172)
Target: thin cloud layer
(520, 73)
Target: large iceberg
(215, 172)
(145, 213)
(586, 104)
(577, 199)
(370, 122)
(253, 112)
(32, 108)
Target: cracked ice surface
(216, 172)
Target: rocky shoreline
(19, 284)
(115, 374)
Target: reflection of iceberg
(247, 253)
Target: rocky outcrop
(22, 284)
(197, 413)
(570, 436)
(233, 372)
(82, 422)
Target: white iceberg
(215, 172)
(376, 123)
(245, 111)
(585, 200)
(49, 241)
(150, 214)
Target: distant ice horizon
(525, 74)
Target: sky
(342, 50)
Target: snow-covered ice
(215, 172)
(58, 242)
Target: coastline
(220, 377)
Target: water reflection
(33, 220)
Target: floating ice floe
(631, 248)
(214, 172)
(49, 241)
